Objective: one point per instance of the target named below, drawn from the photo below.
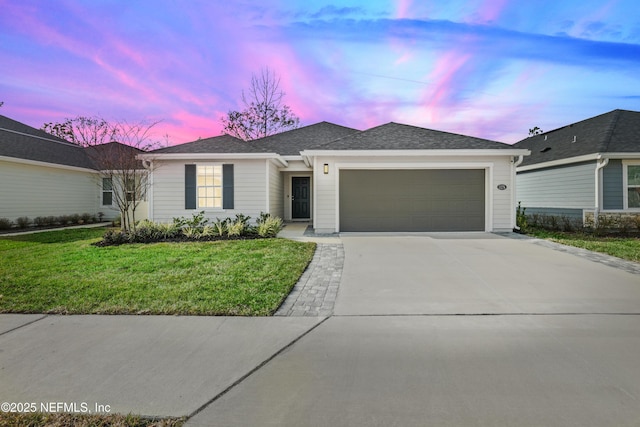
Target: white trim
(46, 164)
(579, 159)
(625, 184)
(314, 195)
(411, 153)
(560, 162)
(212, 156)
(487, 167)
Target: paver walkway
(316, 292)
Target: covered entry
(412, 200)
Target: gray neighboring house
(584, 170)
(392, 177)
(42, 175)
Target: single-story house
(42, 175)
(392, 177)
(585, 168)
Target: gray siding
(612, 197)
(562, 187)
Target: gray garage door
(412, 200)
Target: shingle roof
(292, 142)
(617, 131)
(216, 144)
(288, 143)
(24, 142)
(395, 136)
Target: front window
(209, 186)
(633, 186)
(107, 192)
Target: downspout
(514, 166)
(148, 165)
(600, 163)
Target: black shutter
(190, 186)
(227, 186)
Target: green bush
(23, 222)
(196, 221)
(74, 219)
(268, 226)
(115, 237)
(521, 217)
(5, 224)
(87, 218)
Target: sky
(486, 68)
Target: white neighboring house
(42, 175)
(392, 177)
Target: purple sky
(486, 68)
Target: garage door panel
(412, 200)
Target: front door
(300, 199)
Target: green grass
(61, 272)
(39, 419)
(622, 247)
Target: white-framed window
(107, 192)
(631, 183)
(209, 186)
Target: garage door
(412, 200)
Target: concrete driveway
(476, 273)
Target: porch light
(326, 168)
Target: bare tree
(264, 112)
(113, 148)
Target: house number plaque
(502, 187)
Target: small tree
(264, 113)
(113, 148)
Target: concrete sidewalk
(148, 365)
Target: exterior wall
(250, 190)
(558, 212)
(561, 187)
(276, 190)
(32, 190)
(612, 191)
(499, 203)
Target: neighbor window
(633, 186)
(209, 184)
(107, 192)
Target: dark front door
(300, 199)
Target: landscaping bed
(64, 272)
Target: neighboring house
(389, 178)
(42, 175)
(588, 167)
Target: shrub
(5, 224)
(521, 217)
(50, 220)
(115, 237)
(23, 222)
(40, 221)
(63, 219)
(146, 231)
(220, 226)
(74, 219)
(270, 227)
(168, 231)
(191, 232)
(86, 218)
(196, 221)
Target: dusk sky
(485, 68)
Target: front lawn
(62, 272)
(622, 247)
(38, 419)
